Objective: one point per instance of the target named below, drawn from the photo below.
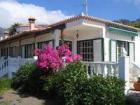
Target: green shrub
(30, 79)
(22, 76)
(5, 84)
(99, 90)
(62, 84)
(72, 87)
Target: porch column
(19, 48)
(74, 45)
(106, 49)
(23, 51)
(8, 49)
(124, 71)
(56, 35)
(105, 45)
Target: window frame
(92, 50)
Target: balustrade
(102, 68)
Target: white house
(97, 40)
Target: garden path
(11, 97)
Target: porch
(122, 69)
(85, 39)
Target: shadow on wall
(132, 100)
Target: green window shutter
(132, 51)
(113, 51)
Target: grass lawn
(5, 84)
(4, 103)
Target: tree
(12, 29)
(134, 23)
(123, 21)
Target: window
(91, 50)
(13, 51)
(85, 49)
(4, 52)
(40, 44)
(120, 45)
(29, 50)
(68, 43)
(116, 49)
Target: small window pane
(85, 49)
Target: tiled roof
(91, 18)
(25, 33)
(37, 26)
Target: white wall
(45, 37)
(27, 41)
(137, 49)
(14, 43)
(118, 36)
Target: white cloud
(12, 11)
(137, 3)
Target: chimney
(32, 23)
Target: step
(133, 93)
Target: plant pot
(137, 86)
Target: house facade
(95, 39)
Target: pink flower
(69, 59)
(68, 52)
(37, 52)
(77, 57)
(52, 58)
(41, 64)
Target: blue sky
(109, 9)
(51, 11)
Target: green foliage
(72, 87)
(5, 84)
(62, 83)
(12, 29)
(5, 103)
(22, 76)
(135, 23)
(101, 91)
(123, 21)
(29, 79)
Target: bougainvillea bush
(31, 78)
(50, 58)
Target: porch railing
(102, 68)
(10, 65)
(3, 67)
